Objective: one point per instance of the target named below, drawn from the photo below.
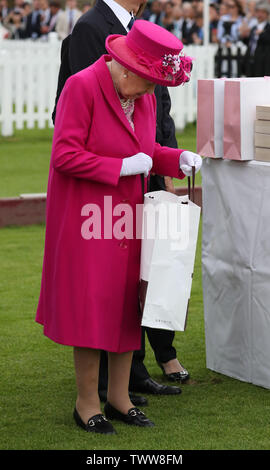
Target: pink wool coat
(89, 287)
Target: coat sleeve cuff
(166, 162)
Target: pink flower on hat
(178, 66)
(172, 67)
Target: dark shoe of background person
(98, 423)
(181, 376)
(151, 386)
(134, 416)
(135, 399)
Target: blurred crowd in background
(231, 21)
(36, 19)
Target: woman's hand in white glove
(188, 160)
(139, 163)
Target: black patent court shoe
(98, 423)
(134, 416)
(181, 376)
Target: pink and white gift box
(210, 117)
(226, 114)
(241, 96)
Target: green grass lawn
(25, 157)
(37, 377)
(38, 386)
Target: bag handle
(147, 182)
(191, 196)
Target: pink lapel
(109, 92)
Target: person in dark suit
(257, 59)
(188, 15)
(4, 9)
(82, 48)
(33, 22)
(195, 34)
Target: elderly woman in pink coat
(104, 141)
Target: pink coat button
(123, 244)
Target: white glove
(188, 160)
(139, 163)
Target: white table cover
(236, 268)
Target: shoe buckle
(136, 412)
(91, 422)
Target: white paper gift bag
(169, 240)
(210, 116)
(241, 96)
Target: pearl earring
(125, 75)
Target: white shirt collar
(261, 26)
(122, 14)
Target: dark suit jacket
(186, 38)
(258, 64)
(89, 34)
(87, 44)
(32, 28)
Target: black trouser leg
(103, 371)
(138, 370)
(161, 343)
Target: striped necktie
(130, 24)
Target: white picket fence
(28, 82)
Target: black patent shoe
(151, 386)
(98, 423)
(134, 416)
(181, 376)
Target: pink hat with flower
(151, 52)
